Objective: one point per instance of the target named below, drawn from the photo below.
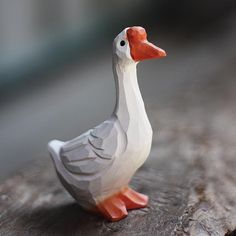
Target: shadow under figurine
(97, 166)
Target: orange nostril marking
(136, 33)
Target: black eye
(122, 43)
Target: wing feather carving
(95, 150)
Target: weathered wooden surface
(190, 176)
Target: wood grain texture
(190, 176)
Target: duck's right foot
(133, 199)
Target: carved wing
(95, 150)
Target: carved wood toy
(97, 166)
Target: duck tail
(54, 148)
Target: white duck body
(102, 161)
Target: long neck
(129, 102)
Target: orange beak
(140, 48)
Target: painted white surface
(102, 161)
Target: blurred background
(55, 63)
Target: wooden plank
(189, 177)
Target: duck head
(132, 44)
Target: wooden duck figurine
(97, 166)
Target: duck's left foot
(133, 199)
(115, 207)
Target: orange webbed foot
(133, 199)
(115, 207)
